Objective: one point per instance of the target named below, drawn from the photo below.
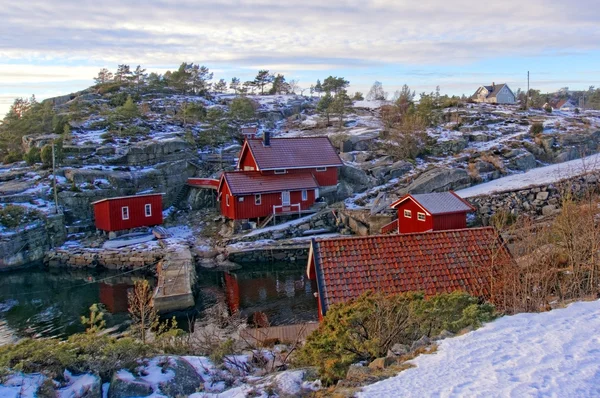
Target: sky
(55, 47)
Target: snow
(370, 104)
(280, 226)
(552, 354)
(78, 385)
(21, 385)
(538, 176)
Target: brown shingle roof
(253, 182)
(288, 153)
(429, 262)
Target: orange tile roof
(295, 152)
(429, 262)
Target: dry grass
(473, 172)
(494, 161)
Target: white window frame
(407, 214)
(280, 171)
(227, 200)
(419, 215)
(320, 169)
(241, 199)
(257, 199)
(304, 195)
(248, 168)
(125, 213)
(148, 210)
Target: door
(285, 198)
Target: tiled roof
(429, 262)
(287, 153)
(252, 182)
(439, 202)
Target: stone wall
(128, 258)
(297, 253)
(362, 223)
(537, 201)
(20, 248)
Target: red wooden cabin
(427, 262)
(284, 156)
(431, 212)
(251, 195)
(126, 212)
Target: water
(49, 303)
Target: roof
(493, 90)
(429, 262)
(253, 182)
(438, 202)
(128, 197)
(294, 152)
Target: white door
(285, 198)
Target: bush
(367, 327)
(548, 109)
(536, 128)
(243, 108)
(13, 216)
(12, 156)
(33, 156)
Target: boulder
(440, 180)
(358, 372)
(542, 195)
(422, 342)
(452, 146)
(347, 156)
(523, 161)
(549, 210)
(185, 382)
(484, 167)
(128, 387)
(357, 178)
(398, 350)
(566, 155)
(399, 169)
(444, 334)
(382, 363)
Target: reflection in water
(49, 303)
(281, 291)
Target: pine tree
(123, 72)
(139, 77)
(324, 106)
(262, 79)
(220, 86)
(95, 323)
(318, 88)
(235, 84)
(104, 76)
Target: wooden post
(54, 178)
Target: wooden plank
(283, 334)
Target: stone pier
(176, 278)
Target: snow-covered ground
(538, 176)
(552, 354)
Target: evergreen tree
(122, 74)
(199, 77)
(235, 84)
(139, 77)
(262, 79)
(339, 106)
(280, 86)
(128, 111)
(334, 84)
(324, 106)
(220, 86)
(249, 86)
(318, 87)
(104, 76)
(358, 96)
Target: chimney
(267, 138)
(493, 85)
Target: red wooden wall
(108, 214)
(450, 221)
(247, 209)
(247, 160)
(324, 178)
(408, 225)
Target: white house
(495, 94)
(565, 105)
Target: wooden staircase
(265, 221)
(183, 192)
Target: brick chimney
(267, 138)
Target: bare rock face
(440, 180)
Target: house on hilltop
(290, 156)
(428, 262)
(429, 212)
(495, 94)
(564, 105)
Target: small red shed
(431, 212)
(126, 212)
(250, 194)
(295, 155)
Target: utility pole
(54, 177)
(527, 97)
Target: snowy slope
(538, 176)
(552, 354)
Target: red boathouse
(285, 156)
(251, 195)
(126, 212)
(431, 212)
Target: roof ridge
(407, 234)
(289, 138)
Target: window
(280, 171)
(421, 216)
(241, 199)
(148, 210)
(257, 200)
(407, 214)
(304, 195)
(321, 168)
(227, 199)
(248, 168)
(125, 213)
(316, 193)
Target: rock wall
(23, 247)
(537, 201)
(128, 258)
(283, 254)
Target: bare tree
(141, 308)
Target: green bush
(13, 216)
(367, 327)
(536, 128)
(109, 88)
(12, 156)
(33, 156)
(243, 108)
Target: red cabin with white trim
(431, 212)
(295, 155)
(126, 212)
(252, 195)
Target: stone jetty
(176, 278)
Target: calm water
(44, 303)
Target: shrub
(109, 88)
(536, 128)
(548, 109)
(33, 156)
(577, 111)
(367, 327)
(243, 108)
(12, 156)
(13, 216)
